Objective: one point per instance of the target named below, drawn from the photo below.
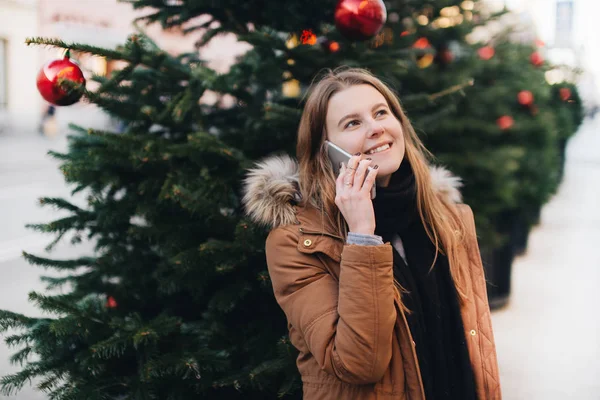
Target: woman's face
(359, 120)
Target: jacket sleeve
(348, 327)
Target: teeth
(380, 148)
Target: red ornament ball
(111, 302)
(308, 37)
(505, 122)
(330, 46)
(536, 59)
(50, 76)
(565, 93)
(525, 98)
(333, 46)
(360, 19)
(487, 52)
(421, 43)
(446, 56)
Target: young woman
(385, 298)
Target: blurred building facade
(569, 30)
(19, 64)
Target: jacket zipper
(321, 233)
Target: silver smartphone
(337, 155)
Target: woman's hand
(353, 194)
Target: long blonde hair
(317, 181)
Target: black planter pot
(497, 262)
(519, 235)
(497, 265)
(562, 149)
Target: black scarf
(435, 322)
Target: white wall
(18, 20)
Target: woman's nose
(375, 129)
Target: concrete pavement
(548, 337)
(27, 173)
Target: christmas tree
(175, 302)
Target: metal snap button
(307, 242)
(473, 333)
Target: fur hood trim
(271, 190)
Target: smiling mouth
(380, 149)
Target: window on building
(3, 74)
(564, 23)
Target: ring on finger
(354, 169)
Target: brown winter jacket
(342, 312)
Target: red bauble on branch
(333, 46)
(111, 302)
(525, 98)
(565, 93)
(487, 52)
(446, 56)
(330, 46)
(536, 59)
(360, 19)
(50, 76)
(308, 37)
(424, 60)
(505, 122)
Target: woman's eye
(355, 121)
(348, 124)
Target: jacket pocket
(310, 243)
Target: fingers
(356, 176)
(370, 179)
(350, 170)
(353, 176)
(359, 174)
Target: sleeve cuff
(364, 239)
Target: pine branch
(209, 35)
(21, 356)
(419, 101)
(134, 54)
(450, 90)
(60, 226)
(61, 304)
(61, 204)
(116, 79)
(60, 264)
(17, 340)
(10, 320)
(97, 51)
(49, 383)
(11, 384)
(69, 326)
(57, 283)
(114, 346)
